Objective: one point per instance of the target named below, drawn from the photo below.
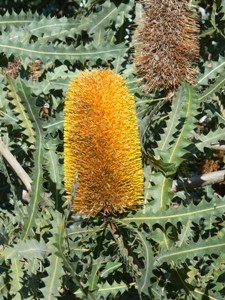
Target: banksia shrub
(167, 46)
(101, 144)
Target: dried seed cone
(167, 47)
(101, 144)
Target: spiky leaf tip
(167, 46)
(101, 144)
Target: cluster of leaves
(172, 248)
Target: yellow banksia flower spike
(167, 46)
(101, 144)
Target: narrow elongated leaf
(20, 112)
(111, 289)
(57, 79)
(211, 138)
(54, 124)
(211, 72)
(110, 12)
(173, 120)
(182, 214)
(21, 19)
(61, 52)
(215, 87)
(204, 247)
(59, 245)
(181, 131)
(33, 113)
(159, 164)
(7, 116)
(45, 28)
(109, 268)
(16, 275)
(185, 234)
(29, 249)
(53, 280)
(93, 277)
(3, 287)
(50, 29)
(143, 281)
(55, 171)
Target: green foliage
(173, 246)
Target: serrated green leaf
(181, 139)
(7, 116)
(16, 275)
(45, 28)
(143, 281)
(160, 191)
(213, 137)
(182, 214)
(62, 52)
(55, 124)
(192, 274)
(56, 79)
(32, 271)
(185, 234)
(37, 177)
(49, 29)
(110, 268)
(173, 120)
(20, 110)
(203, 247)
(17, 296)
(21, 19)
(55, 171)
(181, 136)
(212, 71)
(93, 276)
(159, 164)
(110, 12)
(208, 31)
(28, 249)
(59, 245)
(53, 280)
(215, 87)
(205, 293)
(3, 287)
(160, 237)
(111, 289)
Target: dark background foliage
(173, 247)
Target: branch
(198, 181)
(21, 173)
(218, 147)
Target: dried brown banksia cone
(167, 48)
(101, 144)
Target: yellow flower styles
(101, 144)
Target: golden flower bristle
(167, 46)
(101, 144)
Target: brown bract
(166, 47)
(101, 144)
